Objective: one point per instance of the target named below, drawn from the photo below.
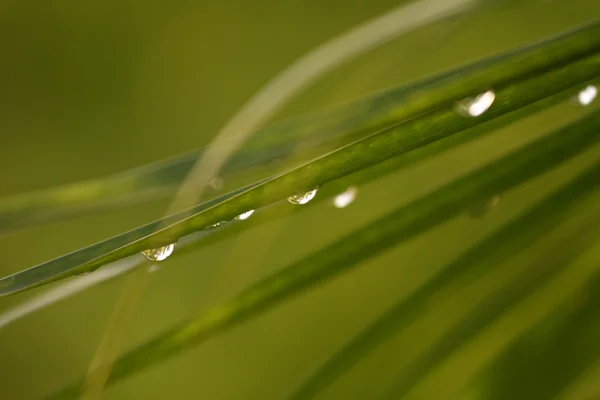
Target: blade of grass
(493, 306)
(300, 74)
(386, 167)
(195, 241)
(489, 254)
(489, 343)
(356, 156)
(563, 345)
(321, 131)
(400, 225)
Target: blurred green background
(89, 88)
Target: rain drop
(476, 106)
(302, 198)
(345, 198)
(159, 253)
(245, 215)
(587, 95)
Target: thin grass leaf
(514, 322)
(489, 254)
(563, 345)
(310, 135)
(346, 160)
(346, 253)
(399, 162)
(497, 303)
(278, 210)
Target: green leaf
(563, 345)
(497, 303)
(378, 170)
(383, 145)
(397, 226)
(489, 254)
(309, 136)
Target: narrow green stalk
(563, 345)
(489, 254)
(497, 303)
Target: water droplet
(587, 95)
(476, 106)
(245, 215)
(482, 208)
(217, 225)
(160, 253)
(302, 198)
(345, 198)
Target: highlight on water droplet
(245, 215)
(587, 95)
(159, 253)
(302, 198)
(214, 226)
(345, 198)
(476, 106)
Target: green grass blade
(310, 135)
(410, 158)
(400, 225)
(563, 345)
(196, 241)
(497, 303)
(351, 158)
(489, 254)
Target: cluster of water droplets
(471, 106)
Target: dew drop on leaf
(159, 253)
(587, 95)
(245, 215)
(302, 198)
(345, 198)
(476, 106)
